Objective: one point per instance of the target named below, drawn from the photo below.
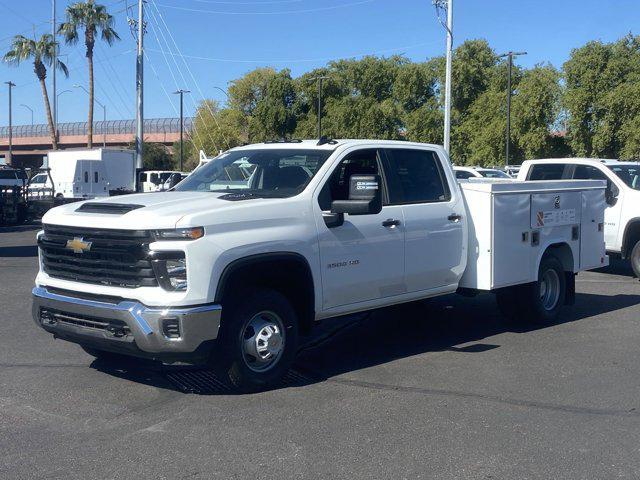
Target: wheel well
(287, 273)
(562, 252)
(631, 237)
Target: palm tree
(92, 18)
(42, 52)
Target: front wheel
(258, 339)
(635, 259)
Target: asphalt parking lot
(444, 390)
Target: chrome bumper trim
(198, 324)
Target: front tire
(258, 339)
(634, 258)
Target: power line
(285, 12)
(300, 60)
(154, 29)
(195, 82)
(271, 2)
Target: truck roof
(331, 145)
(592, 161)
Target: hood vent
(108, 208)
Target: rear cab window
(548, 171)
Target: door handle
(454, 217)
(391, 222)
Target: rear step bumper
(171, 334)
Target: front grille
(115, 257)
(117, 328)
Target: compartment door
(592, 244)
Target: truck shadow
(353, 343)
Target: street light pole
(181, 92)
(320, 79)
(30, 109)
(448, 26)
(54, 33)
(104, 115)
(11, 85)
(140, 86)
(509, 56)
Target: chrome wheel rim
(550, 289)
(262, 340)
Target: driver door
(362, 260)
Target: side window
(360, 162)
(143, 177)
(549, 171)
(416, 176)
(95, 177)
(587, 172)
(86, 177)
(463, 175)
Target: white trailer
(98, 172)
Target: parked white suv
(254, 247)
(622, 216)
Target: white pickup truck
(622, 215)
(232, 275)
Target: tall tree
(41, 52)
(93, 19)
(600, 96)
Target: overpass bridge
(32, 142)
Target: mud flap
(570, 291)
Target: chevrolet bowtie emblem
(78, 245)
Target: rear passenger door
(434, 217)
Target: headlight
(171, 270)
(192, 233)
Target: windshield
(629, 174)
(264, 173)
(41, 178)
(493, 174)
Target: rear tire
(538, 302)
(634, 258)
(258, 340)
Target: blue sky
(223, 39)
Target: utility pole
(181, 92)
(140, 86)
(448, 26)
(509, 56)
(11, 85)
(54, 33)
(320, 79)
(30, 109)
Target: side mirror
(611, 193)
(173, 181)
(365, 196)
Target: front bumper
(171, 334)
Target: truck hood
(149, 210)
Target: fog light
(177, 273)
(171, 270)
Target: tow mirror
(365, 196)
(173, 180)
(611, 193)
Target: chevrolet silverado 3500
(254, 247)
